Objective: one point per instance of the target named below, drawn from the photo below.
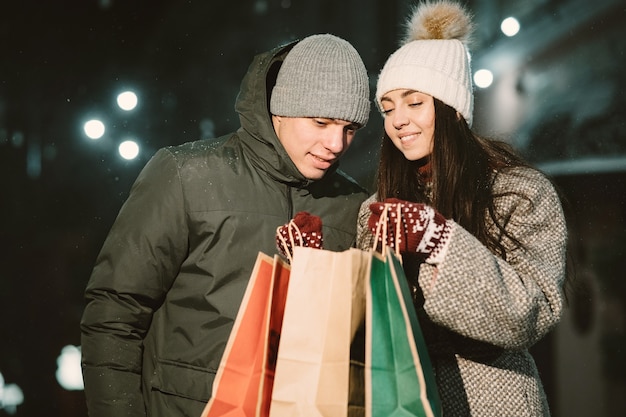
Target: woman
(482, 234)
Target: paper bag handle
(284, 244)
(381, 227)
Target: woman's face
(410, 122)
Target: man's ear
(276, 122)
(458, 116)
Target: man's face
(314, 144)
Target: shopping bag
(356, 396)
(324, 308)
(245, 374)
(281, 275)
(399, 380)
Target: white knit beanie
(322, 76)
(434, 58)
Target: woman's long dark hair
(462, 166)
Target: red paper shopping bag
(244, 379)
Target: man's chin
(314, 177)
(314, 174)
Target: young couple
(483, 235)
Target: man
(167, 285)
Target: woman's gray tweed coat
(482, 313)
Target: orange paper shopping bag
(243, 382)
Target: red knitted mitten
(414, 227)
(304, 229)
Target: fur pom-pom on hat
(442, 20)
(434, 58)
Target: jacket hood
(257, 132)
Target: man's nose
(335, 140)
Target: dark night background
(558, 96)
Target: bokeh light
(11, 396)
(129, 149)
(127, 100)
(94, 129)
(69, 374)
(483, 78)
(510, 26)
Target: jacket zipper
(289, 204)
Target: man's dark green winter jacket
(169, 280)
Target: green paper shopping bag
(243, 382)
(399, 380)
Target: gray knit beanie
(322, 76)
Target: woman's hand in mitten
(304, 229)
(412, 227)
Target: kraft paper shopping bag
(324, 308)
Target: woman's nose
(399, 119)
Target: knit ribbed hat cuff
(426, 80)
(326, 104)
